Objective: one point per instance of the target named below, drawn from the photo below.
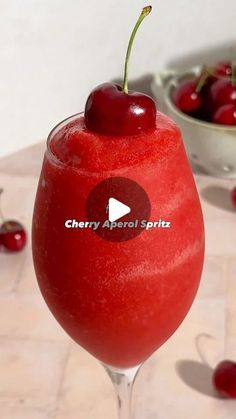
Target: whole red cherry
(114, 110)
(111, 111)
(13, 235)
(225, 114)
(224, 378)
(223, 92)
(186, 98)
(223, 68)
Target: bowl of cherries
(202, 101)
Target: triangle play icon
(117, 209)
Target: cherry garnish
(110, 111)
(13, 235)
(186, 97)
(114, 110)
(226, 115)
(233, 196)
(224, 379)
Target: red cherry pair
(209, 97)
(12, 235)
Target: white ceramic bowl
(210, 146)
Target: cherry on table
(186, 98)
(114, 110)
(13, 235)
(225, 114)
(224, 378)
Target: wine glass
(120, 300)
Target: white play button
(117, 209)
(118, 198)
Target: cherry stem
(205, 74)
(211, 72)
(1, 214)
(145, 12)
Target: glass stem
(123, 381)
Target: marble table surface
(44, 375)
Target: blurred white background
(53, 52)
